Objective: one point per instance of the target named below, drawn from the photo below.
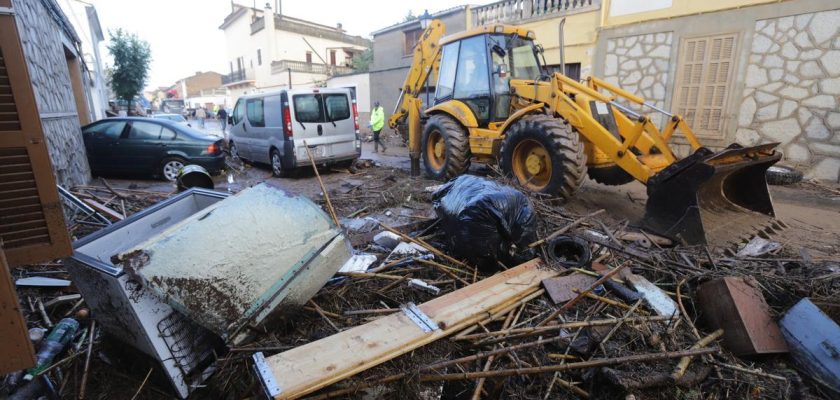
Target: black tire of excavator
(611, 176)
(457, 147)
(567, 152)
(781, 175)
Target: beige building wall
(580, 34)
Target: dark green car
(137, 145)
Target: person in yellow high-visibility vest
(377, 121)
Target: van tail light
(287, 121)
(356, 115)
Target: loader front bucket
(714, 198)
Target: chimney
(338, 27)
(279, 7)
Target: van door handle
(320, 130)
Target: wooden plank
(15, 347)
(318, 364)
(110, 213)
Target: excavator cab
(495, 103)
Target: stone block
(756, 76)
(761, 44)
(824, 25)
(804, 115)
(745, 116)
(765, 98)
(817, 130)
(812, 54)
(830, 86)
(629, 65)
(833, 120)
(773, 61)
(827, 169)
(645, 62)
(825, 149)
(772, 87)
(821, 101)
(785, 23)
(661, 51)
(792, 65)
(790, 51)
(797, 153)
(635, 51)
(767, 112)
(831, 61)
(810, 69)
(787, 109)
(782, 131)
(802, 20)
(803, 40)
(747, 137)
(794, 92)
(632, 78)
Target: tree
(131, 64)
(361, 62)
(409, 17)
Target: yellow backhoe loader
(495, 103)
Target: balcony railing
(519, 11)
(282, 66)
(238, 76)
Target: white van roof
(297, 91)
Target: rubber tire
(165, 161)
(283, 173)
(566, 151)
(231, 147)
(457, 147)
(611, 176)
(781, 175)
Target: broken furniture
(814, 341)
(305, 369)
(137, 317)
(737, 306)
(231, 265)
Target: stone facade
(42, 36)
(639, 64)
(792, 88)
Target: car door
(140, 149)
(100, 140)
(257, 135)
(339, 132)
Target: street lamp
(425, 19)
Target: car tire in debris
(445, 148)
(277, 169)
(781, 175)
(545, 155)
(170, 167)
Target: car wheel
(170, 168)
(277, 169)
(234, 152)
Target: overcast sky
(185, 37)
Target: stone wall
(639, 64)
(43, 48)
(791, 91)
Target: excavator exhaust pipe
(714, 198)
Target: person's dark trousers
(377, 142)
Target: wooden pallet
(305, 369)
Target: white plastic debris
(358, 263)
(758, 246)
(407, 249)
(42, 281)
(417, 283)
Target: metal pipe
(657, 109)
(562, 48)
(625, 110)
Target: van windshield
(321, 107)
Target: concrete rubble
(261, 294)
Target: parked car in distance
(271, 128)
(176, 118)
(149, 146)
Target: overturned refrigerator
(185, 278)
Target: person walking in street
(377, 121)
(222, 114)
(201, 114)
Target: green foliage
(131, 64)
(409, 17)
(361, 62)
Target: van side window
(273, 118)
(238, 112)
(308, 108)
(255, 112)
(337, 106)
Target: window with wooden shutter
(32, 227)
(704, 75)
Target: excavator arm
(426, 62)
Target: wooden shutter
(32, 227)
(15, 347)
(704, 76)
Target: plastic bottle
(52, 345)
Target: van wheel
(234, 153)
(277, 169)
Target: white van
(271, 128)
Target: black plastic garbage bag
(486, 222)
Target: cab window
(446, 77)
(472, 79)
(256, 117)
(238, 112)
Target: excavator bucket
(714, 198)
